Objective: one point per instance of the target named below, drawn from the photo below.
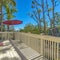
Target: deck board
(8, 52)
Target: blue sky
(24, 7)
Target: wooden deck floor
(8, 52)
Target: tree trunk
(50, 24)
(44, 16)
(39, 27)
(53, 13)
(1, 15)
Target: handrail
(44, 44)
(43, 37)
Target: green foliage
(30, 28)
(50, 9)
(10, 9)
(39, 11)
(33, 2)
(57, 18)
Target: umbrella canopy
(12, 22)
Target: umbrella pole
(8, 28)
(8, 32)
(13, 34)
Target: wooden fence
(48, 46)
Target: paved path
(8, 52)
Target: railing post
(41, 47)
(57, 50)
(8, 35)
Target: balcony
(27, 46)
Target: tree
(48, 13)
(51, 10)
(57, 18)
(36, 14)
(9, 7)
(30, 28)
(43, 11)
(9, 15)
(0, 13)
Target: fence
(6, 35)
(47, 46)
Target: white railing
(47, 46)
(6, 35)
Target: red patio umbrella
(12, 22)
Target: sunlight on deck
(7, 52)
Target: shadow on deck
(7, 52)
(12, 58)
